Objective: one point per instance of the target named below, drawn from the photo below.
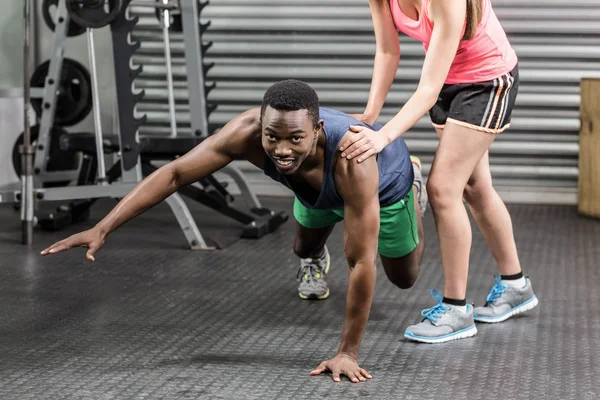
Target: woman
(468, 84)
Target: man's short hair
(292, 95)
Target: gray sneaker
(418, 182)
(442, 323)
(504, 301)
(312, 275)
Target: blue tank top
(395, 169)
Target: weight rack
(31, 189)
(258, 222)
(129, 124)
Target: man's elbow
(172, 175)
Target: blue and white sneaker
(442, 323)
(504, 301)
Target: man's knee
(407, 279)
(402, 272)
(405, 282)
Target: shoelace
(496, 291)
(310, 271)
(435, 312)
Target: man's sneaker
(418, 182)
(442, 323)
(312, 275)
(505, 301)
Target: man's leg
(313, 227)
(310, 243)
(401, 241)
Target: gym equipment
(164, 10)
(195, 66)
(193, 70)
(258, 221)
(96, 107)
(47, 5)
(26, 196)
(34, 177)
(174, 17)
(134, 154)
(166, 22)
(74, 92)
(77, 210)
(58, 160)
(94, 13)
(66, 215)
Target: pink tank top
(485, 57)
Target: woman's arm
(387, 57)
(448, 21)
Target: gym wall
(11, 44)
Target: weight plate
(57, 160)
(74, 92)
(94, 13)
(49, 18)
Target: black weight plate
(74, 29)
(94, 13)
(74, 99)
(57, 160)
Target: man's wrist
(102, 228)
(345, 352)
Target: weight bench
(257, 222)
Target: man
(296, 143)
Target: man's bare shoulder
(354, 179)
(241, 134)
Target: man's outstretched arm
(209, 156)
(358, 184)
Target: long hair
(474, 14)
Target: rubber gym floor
(153, 320)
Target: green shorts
(398, 234)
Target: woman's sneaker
(504, 301)
(443, 322)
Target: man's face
(288, 137)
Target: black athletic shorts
(484, 106)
